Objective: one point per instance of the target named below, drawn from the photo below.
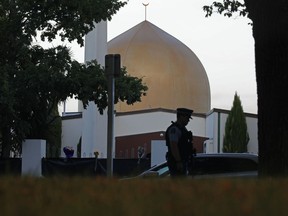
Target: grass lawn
(101, 196)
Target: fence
(88, 167)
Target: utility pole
(112, 69)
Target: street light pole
(112, 69)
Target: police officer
(179, 143)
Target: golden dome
(174, 75)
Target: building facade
(175, 78)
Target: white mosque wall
(252, 124)
(222, 117)
(140, 123)
(149, 122)
(71, 133)
(215, 131)
(158, 152)
(197, 125)
(211, 133)
(211, 126)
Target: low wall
(77, 167)
(10, 166)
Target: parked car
(213, 165)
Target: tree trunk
(270, 31)
(6, 143)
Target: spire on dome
(145, 5)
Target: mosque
(175, 78)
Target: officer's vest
(184, 146)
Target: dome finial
(145, 5)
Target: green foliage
(53, 134)
(70, 20)
(227, 8)
(236, 135)
(79, 147)
(89, 83)
(34, 80)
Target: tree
(270, 32)
(34, 80)
(53, 135)
(236, 136)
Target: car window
(210, 165)
(164, 170)
(157, 168)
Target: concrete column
(33, 151)
(94, 132)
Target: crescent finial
(145, 5)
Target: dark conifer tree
(269, 21)
(236, 135)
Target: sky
(225, 46)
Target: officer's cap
(185, 112)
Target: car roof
(251, 156)
(229, 155)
